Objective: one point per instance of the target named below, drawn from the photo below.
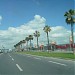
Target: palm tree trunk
(72, 36)
(21, 47)
(37, 42)
(30, 44)
(27, 45)
(48, 40)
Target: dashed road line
(37, 58)
(29, 56)
(57, 63)
(9, 56)
(12, 59)
(19, 67)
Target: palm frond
(37, 34)
(47, 29)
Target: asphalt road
(19, 64)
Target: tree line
(69, 19)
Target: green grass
(47, 54)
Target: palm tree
(37, 34)
(23, 42)
(15, 46)
(20, 43)
(47, 29)
(18, 46)
(70, 20)
(27, 39)
(30, 38)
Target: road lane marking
(12, 59)
(57, 63)
(19, 67)
(9, 56)
(28, 56)
(37, 58)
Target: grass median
(51, 54)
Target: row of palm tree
(37, 35)
(19, 45)
(70, 19)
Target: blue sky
(17, 12)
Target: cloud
(57, 35)
(13, 35)
(0, 19)
(38, 22)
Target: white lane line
(37, 58)
(57, 63)
(12, 59)
(19, 67)
(28, 56)
(9, 56)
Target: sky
(19, 18)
